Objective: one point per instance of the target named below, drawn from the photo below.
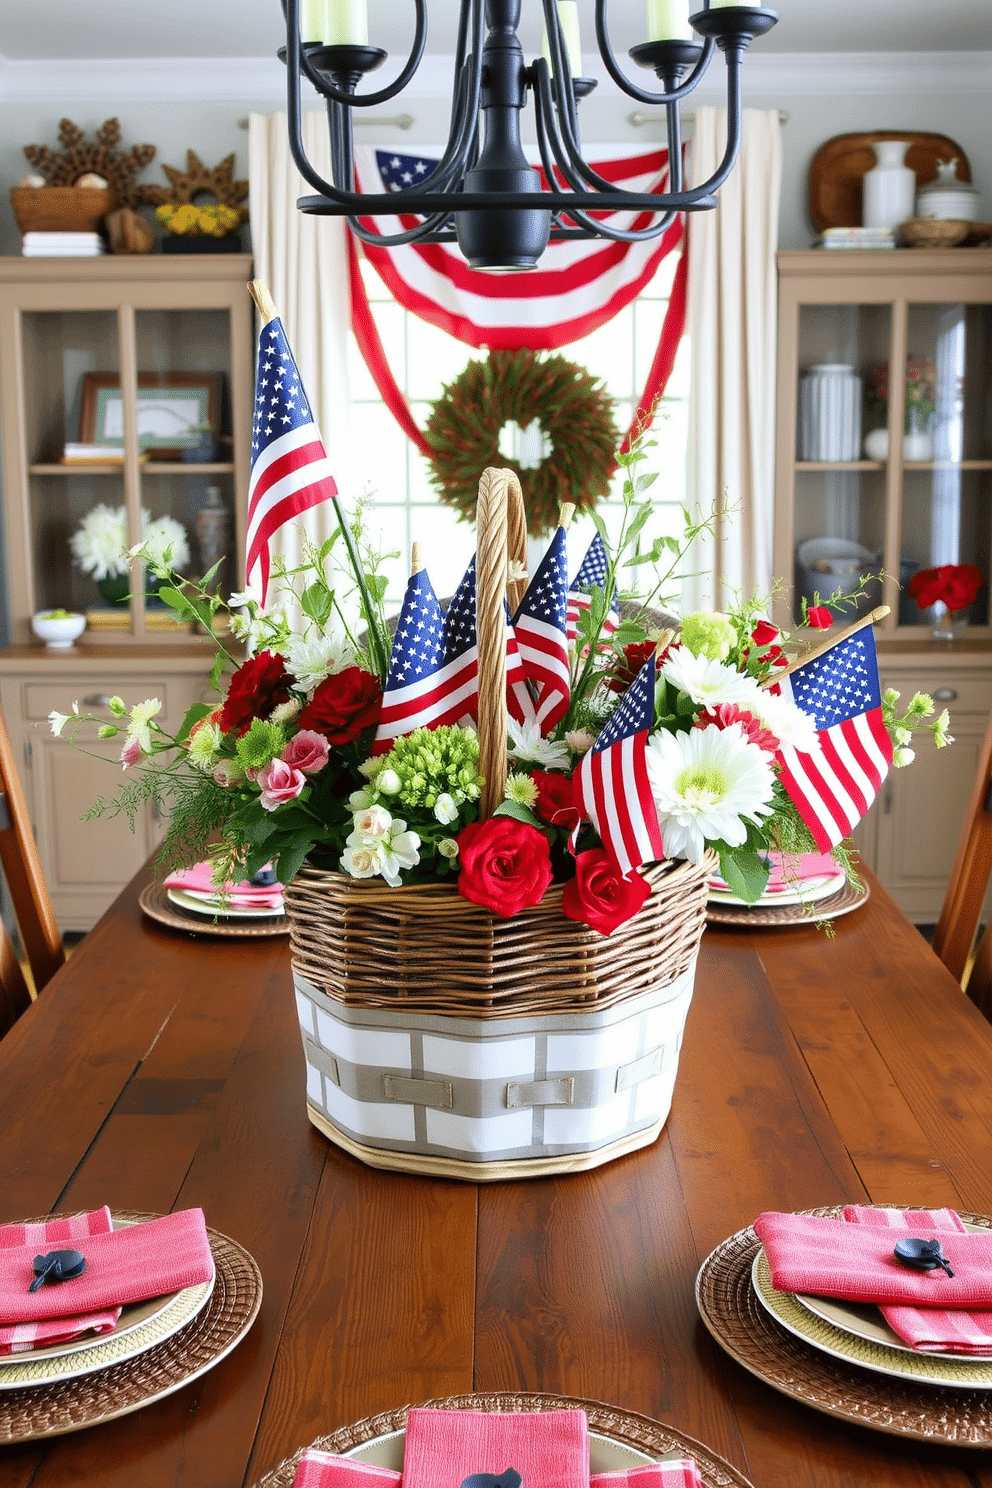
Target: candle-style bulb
(345, 22)
(668, 20)
(568, 16)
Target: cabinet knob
(97, 700)
(945, 694)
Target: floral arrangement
(955, 585)
(215, 220)
(921, 391)
(286, 767)
(99, 543)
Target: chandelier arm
(454, 161)
(328, 89)
(622, 234)
(400, 239)
(548, 142)
(642, 94)
(734, 126)
(573, 167)
(673, 129)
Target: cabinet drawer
(93, 695)
(960, 692)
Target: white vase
(889, 188)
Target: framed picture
(174, 410)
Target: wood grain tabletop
(161, 1070)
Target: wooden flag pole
(259, 291)
(877, 614)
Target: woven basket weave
(60, 208)
(441, 1038)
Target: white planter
(876, 444)
(491, 1098)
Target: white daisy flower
(707, 784)
(526, 743)
(707, 682)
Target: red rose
(599, 896)
(259, 685)
(764, 633)
(343, 705)
(622, 673)
(555, 799)
(956, 584)
(819, 617)
(505, 865)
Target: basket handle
(501, 536)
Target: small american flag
(540, 629)
(290, 471)
(462, 646)
(612, 787)
(591, 575)
(422, 689)
(833, 789)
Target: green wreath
(572, 406)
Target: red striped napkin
(932, 1330)
(325, 1470)
(127, 1265)
(549, 1449)
(56, 1234)
(832, 1258)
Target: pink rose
(280, 783)
(307, 751)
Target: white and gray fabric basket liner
(493, 1089)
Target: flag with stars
(611, 784)
(290, 471)
(423, 689)
(540, 630)
(591, 575)
(462, 646)
(834, 788)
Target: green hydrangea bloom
(260, 745)
(708, 633)
(434, 762)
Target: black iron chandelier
(483, 193)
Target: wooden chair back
(39, 933)
(962, 907)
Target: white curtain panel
(303, 260)
(731, 324)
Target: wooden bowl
(60, 208)
(934, 232)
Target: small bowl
(934, 232)
(59, 632)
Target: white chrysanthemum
(526, 743)
(707, 682)
(317, 657)
(98, 543)
(204, 746)
(785, 720)
(139, 720)
(520, 788)
(165, 545)
(707, 784)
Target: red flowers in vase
(955, 585)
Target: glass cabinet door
(946, 397)
(840, 472)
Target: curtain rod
(640, 117)
(395, 121)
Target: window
(405, 507)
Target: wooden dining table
(162, 1069)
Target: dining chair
(961, 912)
(28, 893)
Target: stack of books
(92, 454)
(104, 618)
(859, 237)
(62, 245)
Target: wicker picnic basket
(442, 1039)
(60, 208)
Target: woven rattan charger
(439, 956)
(639, 1432)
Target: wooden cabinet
(878, 485)
(130, 354)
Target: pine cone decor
(100, 156)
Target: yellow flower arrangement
(187, 220)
